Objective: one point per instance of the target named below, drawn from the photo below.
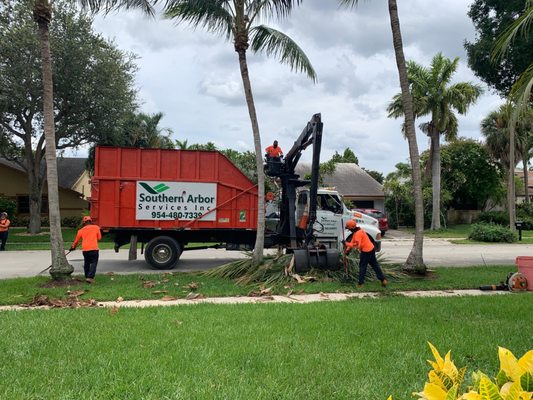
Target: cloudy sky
(193, 77)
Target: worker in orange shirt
(361, 241)
(274, 151)
(89, 235)
(4, 230)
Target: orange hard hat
(86, 218)
(351, 224)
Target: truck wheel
(162, 252)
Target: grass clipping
(278, 269)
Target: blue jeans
(90, 262)
(3, 238)
(366, 258)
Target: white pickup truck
(332, 215)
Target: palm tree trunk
(435, 178)
(511, 184)
(415, 261)
(60, 269)
(260, 238)
(526, 175)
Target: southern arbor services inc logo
(176, 200)
(156, 189)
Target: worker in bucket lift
(89, 236)
(274, 151)
(362, 242)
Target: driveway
(437, 252)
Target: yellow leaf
(438, 358)
(505, 389)
(389, 398)
(526, 361)
(449, 367)
(471, 396)
(509, 364)
(488, 390)
(432, 392)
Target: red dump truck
(169, 198)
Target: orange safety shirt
(274, 151)
(4, 225)
(89, 236)
(361, 241)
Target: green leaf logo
(156, 189)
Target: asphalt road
(437, 252)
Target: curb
(294, 299)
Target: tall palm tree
(415, 260)
(435, 96)
(498, 129)
(236, 20)
(42, 13)
(525, 145)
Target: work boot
(359, 285)
(384, 282)
(89, 280)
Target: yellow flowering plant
(514, 380)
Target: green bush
(525, 210)
(24, 221)
(9, 206)
(71, 222)
(491, 233)
(494, 217)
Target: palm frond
(274, 42)
(107, 6)
(521, 25)
(271, 8)
(521, 92)
(461, 95)
(213, 15)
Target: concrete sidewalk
(294, 299)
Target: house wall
(14, 183)
(83, 185)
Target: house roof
(69, 169)
(349, 179)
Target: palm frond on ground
(278, 270)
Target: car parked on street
(379, 215)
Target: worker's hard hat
(86, 219)
(351, 224)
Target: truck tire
(162, 252)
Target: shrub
(525, 210)
(494, 217)
(24, 221)
(514, 380)
(9, 206)
(71, 222)
(491, 233)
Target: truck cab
(332, 215)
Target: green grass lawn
(359, 349)
(462, 231)
(134, 287)
(20, 240)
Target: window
(23, 205)
(327, 202)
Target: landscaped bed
(360, 349)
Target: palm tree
(498, 129)
(144, 131)
(235, 20)
(415, 260)
(42, 13)
(525, 145)
(434, 96)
